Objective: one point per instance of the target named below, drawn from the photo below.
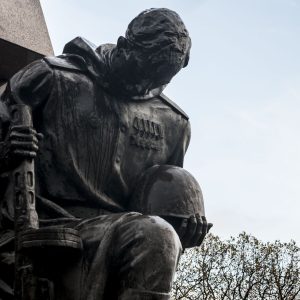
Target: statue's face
(137, 71)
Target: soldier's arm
(31, 86)
(177, 157)
(192, 230)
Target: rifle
(23, 181)
(51, 244)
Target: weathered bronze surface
(96, 165)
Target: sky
(241, 91)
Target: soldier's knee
(150, 235)
(160, 235)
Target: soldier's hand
(23, 141)
(193, 230)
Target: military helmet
(166, 190)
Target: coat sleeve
(31, 86)
(177, 156)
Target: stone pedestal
(23, 36)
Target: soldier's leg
(145, 254)
(126, 256)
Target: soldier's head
(155, 47)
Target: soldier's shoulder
(68, 62)
(28, 76)
(173, 105)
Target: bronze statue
(104, 138)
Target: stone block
(23, 35)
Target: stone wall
(23, 35)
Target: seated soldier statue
(100, 120)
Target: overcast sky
(242, 93)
